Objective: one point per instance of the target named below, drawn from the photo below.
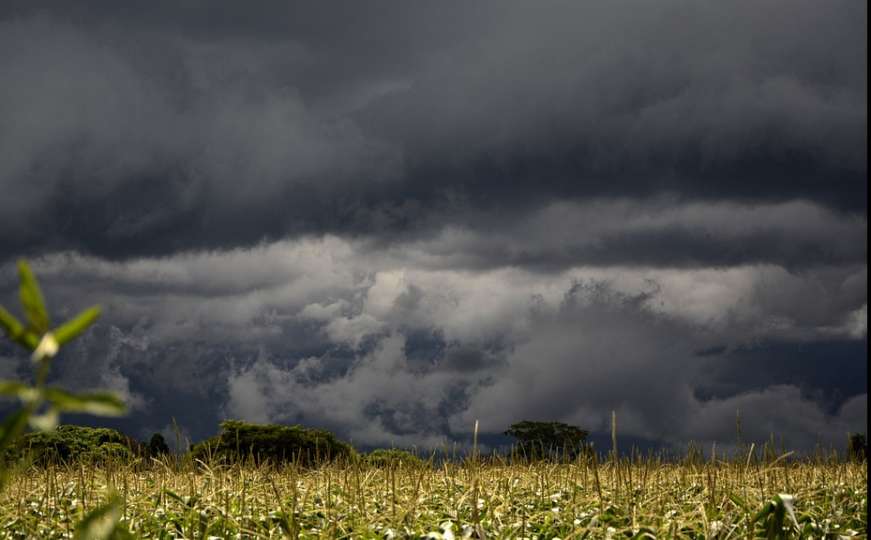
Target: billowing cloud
(391, 351)
(394, 222)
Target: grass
(639, 498)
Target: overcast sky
(391, 219)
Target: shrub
(113, 450)
(276, 443)
(384, 457)
(69, 443)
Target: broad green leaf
(12, 388)
(16, 331)
(10, 324)
(20, 390)
(32, 300)
(77, 325)
(97, 403)
(102, 523)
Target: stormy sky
(391, 219)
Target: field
(639, 498)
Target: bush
(113, 450)
(276, 443)
(384, 457)
(69, 443)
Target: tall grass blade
(16, 331)
(77, 325)
(32, 300)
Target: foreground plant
(42, 405)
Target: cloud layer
(388, 351)
(395, 221)
(127, 137)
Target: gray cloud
(385, 351)
(394, 219)
(104, 156)
(659, 232)
(131, 136)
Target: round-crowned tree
(548, 440)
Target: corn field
(640, 497)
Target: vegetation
(537, 440)
(69, 443)
(157, 446)
(239, 441)
(393, 457)
(857, 448)
(41, 405)
(643, 498)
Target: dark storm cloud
(658, 233)
(394, 219)
(751, 367)
(203, 126)
(707, 100)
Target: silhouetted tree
(548, 439)
(157, 445)
(857, 448)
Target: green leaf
(97, 403)
(174, 495)
(77, 325)
(16, 331)
(766, 510)
(102, 523)
(738, 501)
(10, 324)
(20, 390)
(12, 388)
(31, 299)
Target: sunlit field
(820, 497)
